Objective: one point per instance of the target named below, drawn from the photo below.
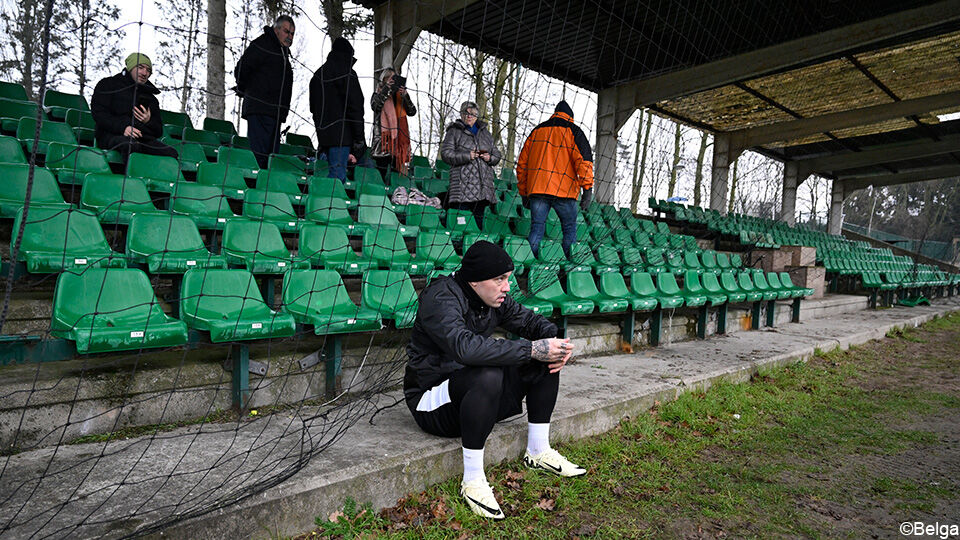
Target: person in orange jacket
(556, 163)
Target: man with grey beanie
(460, 381)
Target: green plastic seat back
(174, 118)
(63, 100)
(655, 257)
(462, 220)
(315, 291)
(607, 254)
(723, 261)
(15, 110)
(238, 157)
(268, 205)
(773, 280)
(11, 151)
(691, 282)
(221, 295)
(544, 283)
(199, 136)
(509, 175)
(551, 252)
(710, 283)
(709, 259)
(631, 255)
(376, 210)
(14, 91)
(581, 284)
(419, 161)
(519, 250)
(282, 163)
(49, 131)
(221, 175)
(668, 284)
(219, 126)
(423, 216)
(13, 188)
(151, 234)
(201, 201)
(327, 210)
(161, 168)
(72, 157)
(745, 283)
(323, 240)
(495, 224)
(387, 291)
(77, 118)
(760, 281)
(690, 259)
(385, 245)
(104, 297)
(364, 175)
(580, 253)
(395, 180)
(613, 284)
(296, 139)
(421, 172)
(113, 192)
(246, 238)
(642, 284)
(280, 182)
(61, 230)
(435, 246)
(472, 238)
(786, 280)
(327, 187)
(736, 261)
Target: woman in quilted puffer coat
(469, 148)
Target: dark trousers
(128, 145)
(477, 207)
(264, 134)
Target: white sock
(473, 465)
(538, 438)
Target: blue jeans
(264, 134)
(566, 210)
(337, 156)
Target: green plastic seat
(736, 261)
(760, 282)
(667, 286)
(239, 158)
(57, 103)
(580, 284)
(319, 298)
(168, 244)
(470, 239)
(206, 205)
(728, 282)
(366, 175)
(258, 246)
(641, 283)
(655, 261)
(297, 139)
(11, 151)
(461, 222)
(386, 246)
(240, 142)
(391, 294)
(332, 211)
(270, 207)
(395, 180)
(377, 211)
(674, 261)
(708, 261)
(551, 255)
(419, 161)
(695, 294)
(426, 218)
(60, 239)
(115, 198)
(291, 164)
(544, 285)
(609, 258)
(786, 281)
(71, 163)
(161, 173)
(691, 261)
(13, 189)
(209, 140)
(112, 309)
(746, 285)
(437, 248)
(723, 262)
(613, 285)
(495, 224)
(330, 187)
(49, 132)
(84, 128)
(436, 186)
(632, 260)
(11, 111)
(327, 246)
(714, 290)
(519, 250)
(189, 155)
(280, 182)
(228, 304)
(793, 292)
(230, 180)
(14, 91)
(293, 150)
(178, 119)
(540, 307)
(224, 129)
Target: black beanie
(484, 260)
(564, 108)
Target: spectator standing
(391, 106)
(336, 102)
(469, 148)
(555, 164)
(265, 81)
(126, 111)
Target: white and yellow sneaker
(552, 461)
(480, 499)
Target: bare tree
(216, 44)
(180, 51)
(641, 169)
(677, 153)
(698, 177)
(733, 185)
(480, 89)
(513, 100)
(22, 56)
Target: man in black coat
(459, 381)
(265, 81)
(127, 113)
(336, 102)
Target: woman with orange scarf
(391, 137)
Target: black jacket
(453, 328)
(336, 99)
(265, 77)
(112, 107)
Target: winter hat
(483, 261)
(136, 59)
(564, 108)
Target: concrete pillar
(723, 155)
(788, 211)
(383, 42)
(605, 151)
(835, 217)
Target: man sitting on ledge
(459, 381)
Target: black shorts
(443, 417)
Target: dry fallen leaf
(334, 517)
(547, 504)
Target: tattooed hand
(553, 351)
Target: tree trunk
(84, 44)
(216, 42)
(698, 178)
(640, 171)
(733, 186)
(333, 13)
(500, 82)
(480, 94)
(191, 33)
(26, 35)
(672, 185)
(514, 101)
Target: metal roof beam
(879, 155)
(795, 129)
(775, 58)
(853, 183)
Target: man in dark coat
(460, 381)
(336, 102)
(127, 113)
(265, 81)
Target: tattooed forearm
(540, 349)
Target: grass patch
(791, 452)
